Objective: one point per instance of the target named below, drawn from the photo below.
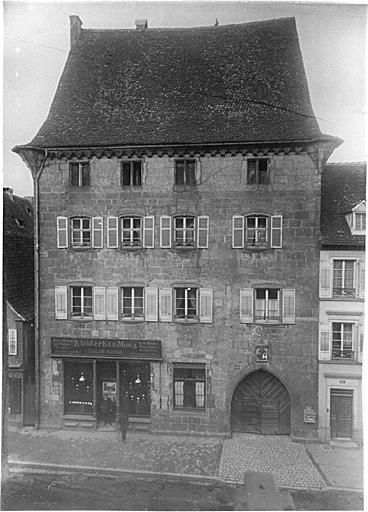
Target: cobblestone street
(288, 461)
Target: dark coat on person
(124, 413)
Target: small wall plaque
(262, 354)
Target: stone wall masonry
(226, 346)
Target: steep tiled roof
(232, 83)
(343, 187)
(18, 256)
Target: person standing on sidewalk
(124, 416)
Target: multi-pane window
(343, 278)
(186, 302)
(81, 232)
(359, 222)
(342, 340)
(78, 387)
(131, 173)
(79, 174)
(81, 302)
(132, 304)
(257, 230)
(131, 231)
(267, 304)
(12, 342)
(185, 172)
(257, 171)
(189, 387)
(184, 231)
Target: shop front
(97, 373)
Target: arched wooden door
(261, 405)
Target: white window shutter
(99, 303)
(112, 232)
(246, 305)
(151, 308)
(165, 295)
(238, 232)
(97, 232)
(325, 279)
(360, 342)
(12, 342)
(203, 222)
(165, 232)
(276, 231)
(324, 343)
(149, 232)
(62, 232)
(361, 279)
(61, 311)
(205, 305)
(288, 306)
(111, 303)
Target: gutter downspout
(36, 171)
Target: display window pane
(78, 387)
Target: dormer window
(356, 219)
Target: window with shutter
(165, 232)
(246, 305)
(362, 279)
(276, 231)
(99, 302)
(151, 304)
(62, 232)
(202, 231)
(112, 232)
(360, 338)
(324, 344)
(111, 303)
(148, 232)
(61, 312)
(325, 279)
(132, 303)
(238, 232)
(205, 305)
(12, 342)
(165, 304)
(97, 232)
(288, 309)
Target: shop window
(132, 303)
(258, 171)
(342, 340)
(78, 387)
(135, 384)
(189, 387)
(186, 303)
(343, 278)
(185, 172)
(79, 174)
(81, 302)
(15, 395)
(131, 173)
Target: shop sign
(107, 348)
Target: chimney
(75, 28)
(9, 192)
(141, 24)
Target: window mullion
(133, 299)
(185, 302)
(82, 301)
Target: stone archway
(260, 405)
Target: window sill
(80, 187)
(132, 320)
(258, 249)
(131, 187)
(340, 361)
(183, 188)
(76, 319)
(83, 249)
(186, 320)
(269, 322)
(189, 410)
(131, 248)
(184, 247)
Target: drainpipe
(35, 158)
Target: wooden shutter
(165, 304)
(151, 304)
(324, 343)
(112, 232)
(238, 232)
(325, 279)
(149, 232)
(205, 305)
(61, 311)
(202, 231)
(276, 231)
(99, 303)
(361, 269)
(198, 171)
(288, 306)
(246, 305)
(97, 232)
(12, 342)
(62, 232)
(111, 303)
(165, 232)
(360, 342)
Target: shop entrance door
(341, 415)
(106, 392)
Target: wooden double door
(261, 405)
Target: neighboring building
(343, 225)
(177, 179)
(18, 281)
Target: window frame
(273, 230)
(132, 316)
(257, 171)
(359, 231)
(345, 353)
(186, 179)
(353, 290)
(267, 319)
(192, 244)
(189, 380)
(186, 298)
(82, 316)
(131, 231)
(12, 342)
(81, 165)
(266, 244)
(131, 163)
(80, 230)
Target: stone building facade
(181, 268)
